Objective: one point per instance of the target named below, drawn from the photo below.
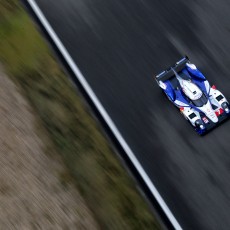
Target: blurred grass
(105, 185)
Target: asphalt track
(119, 46)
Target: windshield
(201, 101)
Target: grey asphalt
(119, 46)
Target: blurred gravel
(31, 193)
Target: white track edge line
(103, 112)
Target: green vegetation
(92, 165)
(8, 6)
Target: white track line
(103, 112)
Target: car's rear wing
(167, 74)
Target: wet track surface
(119, 46)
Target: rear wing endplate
(167, 74)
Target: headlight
(225, 106)
(198, 122)
(202, 127)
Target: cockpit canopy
(193, 92)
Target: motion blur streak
(119, 45)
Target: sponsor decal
(218, 112)
(205, 120)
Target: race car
(187, 88)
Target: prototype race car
(187, 88)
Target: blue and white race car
(187, 88)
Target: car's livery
(188, 89)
